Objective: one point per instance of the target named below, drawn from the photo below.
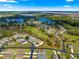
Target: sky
(39, 5)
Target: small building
(8, 54)
(20, 54)
(41, 54)
(70, 46)
(43, 26)
(21, 40)
(33, 22)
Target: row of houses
(38, 54)
(21, 38)
(20, 53)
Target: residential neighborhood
(38, 36)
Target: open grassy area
(37, 33)
(8, 33)
(17, 44)
(49, 53)
(1, 57)
(28, 50)
(72, 37)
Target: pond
(43, 19)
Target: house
(33, 22)
(8, 54)
(70, 46)
(36, 42)
(20, 54)
(54, 55)
(21, 40)
(43, 26)
(41, 54)
(50, 30)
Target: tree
(49, 42)
(27, 37)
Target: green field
(37, 33)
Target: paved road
(55, 55)
(39, 48)
(41, 54)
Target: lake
(43, 19)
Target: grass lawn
(72, 37)
(28, 50)
(37, 33)
(17, 44)
(49, 53)
(75, 43)
(1, 57)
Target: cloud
(7, 6)
(67, 6)
(69, 0)
(8, 1)
(40, 9)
